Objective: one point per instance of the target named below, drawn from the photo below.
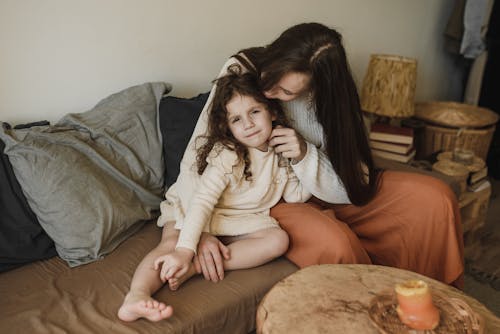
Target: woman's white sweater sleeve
(294, 191)
(316, 173)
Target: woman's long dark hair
(232, 84)
(317, 50)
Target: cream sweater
(225, 203)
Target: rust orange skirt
(412, 223)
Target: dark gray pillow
(22, 239)
(178, 117)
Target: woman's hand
(174, 264)
(289, 143)
(209, 259)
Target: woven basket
(438, 138)
(451, 125)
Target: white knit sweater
(226, 203)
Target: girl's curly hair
(227, 86)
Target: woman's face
(291, 86)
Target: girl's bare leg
(254, 249)
(146, 281)
(247, 251)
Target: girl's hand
(288, 142)
(209, 259)
(174, 264)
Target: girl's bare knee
(280, 241)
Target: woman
(403, 220)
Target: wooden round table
(336, 298)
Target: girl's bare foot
(175, 282)
(137, 306)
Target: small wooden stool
(336, 299)
(473, 210)
(473, 204)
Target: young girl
(242, 178)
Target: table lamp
(388, 88)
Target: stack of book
(478, 181)
(392, 142)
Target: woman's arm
(311, 165)
(294, 191)
(316, 173)
(200, 129)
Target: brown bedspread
(49, 297)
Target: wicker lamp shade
(389, 86)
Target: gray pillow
(93, 178)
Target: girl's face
(250, 122)
(291, 86)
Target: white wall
(60, 56)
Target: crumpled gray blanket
(93, 178)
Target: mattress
(49, 297)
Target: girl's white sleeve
(316, 173)
(210, 188)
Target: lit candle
(415, 308)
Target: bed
(50, 297)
